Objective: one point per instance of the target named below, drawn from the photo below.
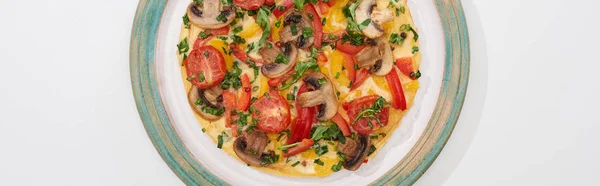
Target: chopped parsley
(415, 75)
(221, 17)
(204, 35)
(237, 39)
(186, 21)
(371, 150)
(296, 163)
(183, 46)
(372, 112)
(337, 167)
(415, 49)
(281, 59)
(307, 32)
(237, 29)
(319, 162)
(300, 69)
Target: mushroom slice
(274, 67)
(367, 9)
(249, 147)
(355, 150)
(210, 14)
(378, 58)
(208, 103)
(294, 22)
(320, 93)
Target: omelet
(300, 88)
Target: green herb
(402, 9)
(204, 35)
(364, 24)
(415, 75)
(196, 2)
(263, 20)
(319, 162)
(250, 128)
(252, 12)
(300, 69)
(291, 97)
(295, 164)
(307, 32)
(200, 77)
(337, 75)
(250, 47)
(183, 46)
(278, 23)
(310, 16)
(220, 141)
(206, 54)
(239, 14)
(212, 111)
(203, 130)
(237, 29)
(237, 39)
(373, 111)
(281, 8)
(186, 21)
(267, 95)
(285, 147)
(396, 39)
(321, 81)
(293, 29)
(322, 149)
(374, 136)
(415, 49)
(327, 132)
(337, 167)
(281, 59)
(224, 38)
(232, 78)
(341, 156)
(285, 132)
(221, 17)
(371, 150)
(338, 94)
(323, 21)
(299, 4)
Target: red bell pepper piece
(229, 104)
(316, 24)
(245, 93)
(398, 98)
(303, 146)
(362, 75)
(301, 126)
(405, 65)
(342, 124)
(215, 32)
(277, 81)
(349, 65)
(286, 4)
(243, 56)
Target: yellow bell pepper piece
(219, 45)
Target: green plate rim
(162, 134)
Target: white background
(67, 115)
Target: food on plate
(300, 87)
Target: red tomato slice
(272, 112)
(362, 125)
(245, 93)
(348, 48)
(269, 2)
(286, 4)
(316, 25)
(243, 56)
(398, 99)
(303, 146)
(405, 65)
(342, 124)
(249, 4)
(323, 7)
(303, 123)
(277, 81)
(229, 103)
(349, 65)
(205, 67)
(221, 31)
(361, 77)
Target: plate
(162, 103)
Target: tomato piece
(405, 65)
(348, 48)
(221, 31)
(323, 7)
(205, 67)
(286, 4)
(321, 58)
(245, 93)
(361, 77)
(342, 124)
(316, 24)
(367, 125)
(243, 56)
(349, 65)
(303, 123)
(269, 2)
(249, 4)
(398, 98)
(229, 104)
(234, 131)
(346, 105)
(272, 112)
(277, 81)
(303, 146)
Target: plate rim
(144, 82)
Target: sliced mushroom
(210, 14)
(367, 9)
(203, 99)
(298, 21)
(273, 69)
(355, 150)
(378, 58)
(249, 147)
(320, 93)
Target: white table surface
(67, 115)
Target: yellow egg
(381, 83)
(309, 154)
(249, 29)
(325, 169)
(275, 30)
(219, 45)
(411, 86)
(337, 62)
(264, 85)
(335, 18)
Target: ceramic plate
(412, 148)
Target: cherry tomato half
(205, 67)
(367, 125)
(249, 4)
(272, 112)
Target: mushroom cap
(367, 9)
(322, 95)
(377, 58)
(300, 21)
(205, 15)
(273, 70)
(355, 150)
(208, 97)
(249, 147)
